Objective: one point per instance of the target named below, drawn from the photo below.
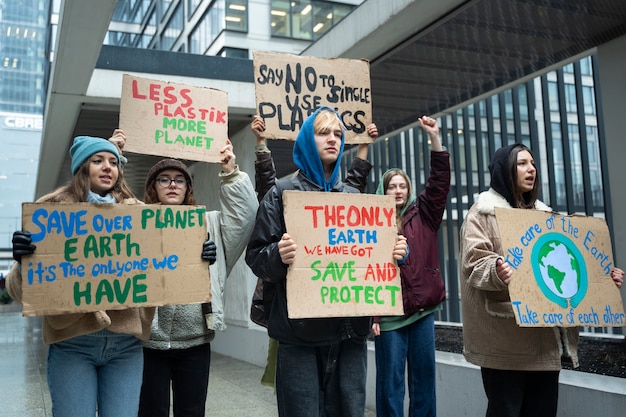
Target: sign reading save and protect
(175, 120)
(561, 267)
(289, 88)
(113, 256)
(344, 266)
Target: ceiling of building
(467, 50)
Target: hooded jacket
(491, 336)
(263, 258)
(421, 279)
(59, 327)
(184, 326)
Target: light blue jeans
(413, 348)
(102, 369)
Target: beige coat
(134, 321)
(491, 336)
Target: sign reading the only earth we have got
(289, 88)
(561, 269)
(175, 120)
(93, 257)
(344, 265)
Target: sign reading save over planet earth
(561, 269)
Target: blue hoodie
(307, 158)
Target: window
(173, 29)
(234, 53)
(305, 19)
(237, 15)
(589, 100)
(200, 39)
(570, 98)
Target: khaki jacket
(491, 337)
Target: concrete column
(612, 61)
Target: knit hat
(85, 146)
(164, 164)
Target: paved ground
(234, 388)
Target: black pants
(188, 372)
(521, 393)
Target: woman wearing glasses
(178, 351)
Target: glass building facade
(23, 38)
(220, 27)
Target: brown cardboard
(289, 88)
(174, 120)
(545, 250)
(344, 264)
(115, 255)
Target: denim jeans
(187, 370)
(521, 393)
(314, 381)
(101, 369)
(413, 348)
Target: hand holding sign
(504, 271)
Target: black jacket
(263, 258)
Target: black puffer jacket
(265, 262)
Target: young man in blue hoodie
(322, 363)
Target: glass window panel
(302, 19)
(553, 96)
(322, 19)
(570, 98)
(585, 66)
(589, 100)
(173, 29)
(200, 37)
(237, 15)
(280, 18)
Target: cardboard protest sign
(289, 88)
(344, 266)
(561, 267)
(93, 257)
(175, 120)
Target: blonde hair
(326, 120)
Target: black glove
(22, 245)
(209, 250)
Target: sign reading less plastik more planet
(561, 269)
(344, 266)
(289, 88)
(94, 257)
(173, 120)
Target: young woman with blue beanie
(95, 359)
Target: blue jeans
(186, 370)
(413, 348)
(101, 369)
(314, 381)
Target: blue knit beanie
(85, 146)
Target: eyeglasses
(165, 182)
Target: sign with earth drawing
(561, 269)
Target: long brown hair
(79, 186)
(522, 200)
(386, 180)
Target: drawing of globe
(559, 269)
